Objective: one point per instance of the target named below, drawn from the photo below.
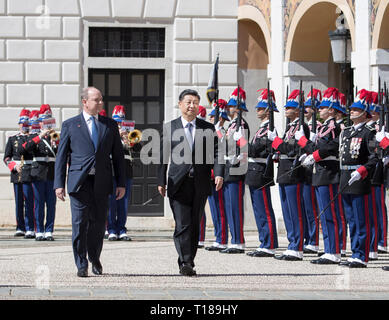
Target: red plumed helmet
(202, 113)
(24, 116)
(103, 113)
(45, 112)
(118, 113)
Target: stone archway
(308, 53)
(253, 55)
(380, 46)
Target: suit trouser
(234, 204)
(330, 219)
(187, 206)
(24, 206)
(117, 213)
(311, 231)
(264, 217)
(44, 194)
(89, 214)
(292, 212)
(358, 208)
(379, 219)
(219, 217)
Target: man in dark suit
(87, 142)
(190, 145)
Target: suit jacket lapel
(102, 128)
(84, 130)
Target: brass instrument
(135, 136)
(54, 136)
(21, 168)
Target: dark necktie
(95, 134)
(190, 134)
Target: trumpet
(54, 136)
(135, 136)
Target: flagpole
(217, 113)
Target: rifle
(269, 170)
(314, 118)
(386, 106)
(296, 162)
(217, 112)
(238, 121)
(286, 100)
(379, 169)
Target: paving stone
(29, 292)
(70, 292)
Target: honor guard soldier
(323, 159)
(117, 213)
(290, 178)
(311, 232)
(233, 187)
(378, 195)
(20, 167)
(203, 222)
(216, 200)
(357, 160)
(42, 143)
(259, 178)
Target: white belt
(257, 160)
(128, 157)
(285, 157)
(355, 167)
(19, 161)
(330, 158)
(229, 158)
(44, 159)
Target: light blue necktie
(190, 135)
(95, 134)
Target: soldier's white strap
(19, 162)
(285, 157)
(44, 159)
(350, 167)
(330, 158)
(128, 157)
(48, 145)
(257, 160)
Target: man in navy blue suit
(88, 142)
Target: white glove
(238, 134)
(302, 157)
(299, 134)
(217, 126)
(355, 176)
(380, 135)
(313, 137)
(276, 157)
(272, 135)
(309, 160)
(385, 161)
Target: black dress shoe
(288, 258)
(345, 263)
(319, 254)
(82, 273)
(40, 238)
(200, 246)
(213, 248)
(310, 251)
(261, 254)
(49, 238)
(356, 264)
(323, 261)
(97, 268)
(187, 270)
(385, 268)
(232, 250)
(382, 251)
(125, 238)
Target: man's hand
(218, 183)
(238, 134)
(272, 135)
(120, 192)
(380, 135)
(355, 176)
(60, 193)
(44, 133)
(385, 161)
(18, 168)
(162, 191)
(313, 137)
(309, 160)
(217, 126)
(302, 157)
(300, 133)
